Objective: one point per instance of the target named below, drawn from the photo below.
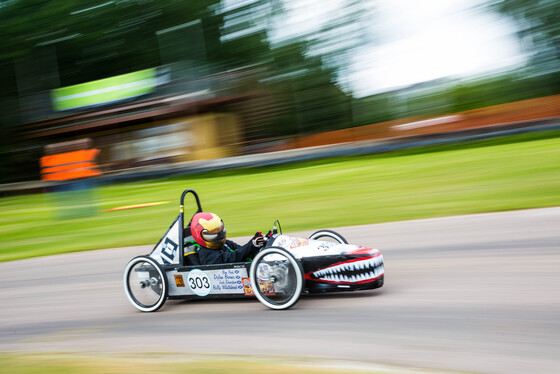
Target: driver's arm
(233, 253)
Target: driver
(209, 234)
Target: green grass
(148, 363)
(494, 175)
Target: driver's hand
(258, 240)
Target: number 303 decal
(199, 282)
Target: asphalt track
(478, 293)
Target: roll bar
(182, 202)
(182, 219)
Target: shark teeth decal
(360, 270)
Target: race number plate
(199, 282)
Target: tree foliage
(538, 28)
(51, 44)
(98, 39)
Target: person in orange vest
(70, 165)
(73, 171)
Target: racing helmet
(208, 230)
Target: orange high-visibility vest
(69, 165)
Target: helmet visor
(213, 237)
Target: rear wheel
(145, 284)
(276, 278)
(328, 235)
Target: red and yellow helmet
(208, 230)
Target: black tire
(328, 235)
(276, 278)
(145, 284)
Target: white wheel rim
(127, 290)
(332, 235)
(256, 288)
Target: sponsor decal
(228, 281)
(298, 242)
(179, 280)
(168, 250)
(263, 272)
(247, 290)
(324, 246)
(267, 287)
(288, 242)
(199, 282)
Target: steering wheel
(272, 234)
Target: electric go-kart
(281, 271)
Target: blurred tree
(303, 94)
(244, 31)
(312, 99)
(47, 44)
(349, 27)
(98, 39)
(539, 29)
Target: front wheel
(145, 284)
(276, 278)
(328, 235)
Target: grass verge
(511, 173)
(56, 364)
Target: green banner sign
(104, 91)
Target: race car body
(278, 275)
(331, 266)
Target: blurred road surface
(476, 293)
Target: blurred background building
(153, 81)
(145, 117)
